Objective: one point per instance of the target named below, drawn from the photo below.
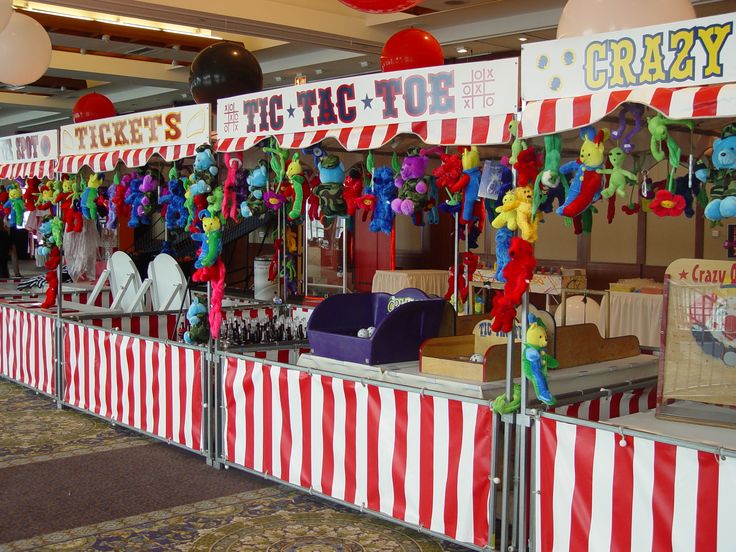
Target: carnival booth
(636, 482)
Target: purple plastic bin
(403, 321)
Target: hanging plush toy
(234, 164)
(587, 183)
(330, 189)
(295, 174)
(90, 196)
(385, 192)
(637, 111)
(45, 199)
(133, 197)
(469, 184)
(257, 183)
(65, 201)
(353, 188)
(174, 200)
(517, 205)
(201, 182)
(518, 273)
(413, 186)
(550, 183)
(722, 177)
(536, 361)
(149, 190)
(211, 238)
(31, 193)
(658, 128)
(517, 145)
(506, 217)
(618, 176)
(527, 166)
(198, 332)
(14, 206)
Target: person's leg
(14, 260)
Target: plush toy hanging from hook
(637, 111)
(587, 183)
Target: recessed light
(277, 79)
(523, 39)
(462, 50)
(364, 63)
(318, 71)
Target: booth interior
(479, 296)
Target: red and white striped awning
(467, 131)
(107, 161)
(38, 169)
(696, 102)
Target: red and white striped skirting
(594, 494)
(107, 161)
(284, 356)
(420, 459)
(605, 408)
(27, 348)
(161, 326)
(152, 386)
(696, 102)
(491, 129)
(37, 169)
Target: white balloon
(25, 50)
(586, 17)
(6, 10)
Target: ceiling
(137, 52)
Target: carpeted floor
(71, 482)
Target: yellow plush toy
(506, 212)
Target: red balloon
(380, 6)
(411, 49)
(92, 106)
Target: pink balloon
(587, 17)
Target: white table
(638, 314)
(431, 282)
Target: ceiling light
(364, 63)
(461, 50)
(49, 12)
(277, 78)
(523, 39)
(128, 24)
(318, 71)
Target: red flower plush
(667, 204)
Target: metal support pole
(283, 253)
(522, 430)
(509, 422)
(279, 234)
(207, 389)
(59, 323)
(456, 261)
(344, 255)
(305, 253)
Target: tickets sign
(684, 53)
(25, 148)
(444, 92)
(149, 129)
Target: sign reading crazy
(168, 127)
(24, 148)
(463, 90)
(678, 54)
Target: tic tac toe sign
(444, 92)
(684, 53)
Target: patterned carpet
(272, 520)
(232, 511)
(32, 429)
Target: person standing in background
(5, 245)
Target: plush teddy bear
(722, 177)
(198, 332)
(527, 166)
(174, 200)
(90, 196)
(587, 183)
(45, 198)
(330, 189)
(385, 192)
(506, 217)
(257, 184)
(211, 238)
(412, 185)
(14, 206)
(536, 361)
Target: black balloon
(223, 70)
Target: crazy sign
(168, 127)
(24, 148)
(451, 91)
(685, 53)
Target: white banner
(444, 92)
(149, 129)
(26, 148)
(684, 53)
